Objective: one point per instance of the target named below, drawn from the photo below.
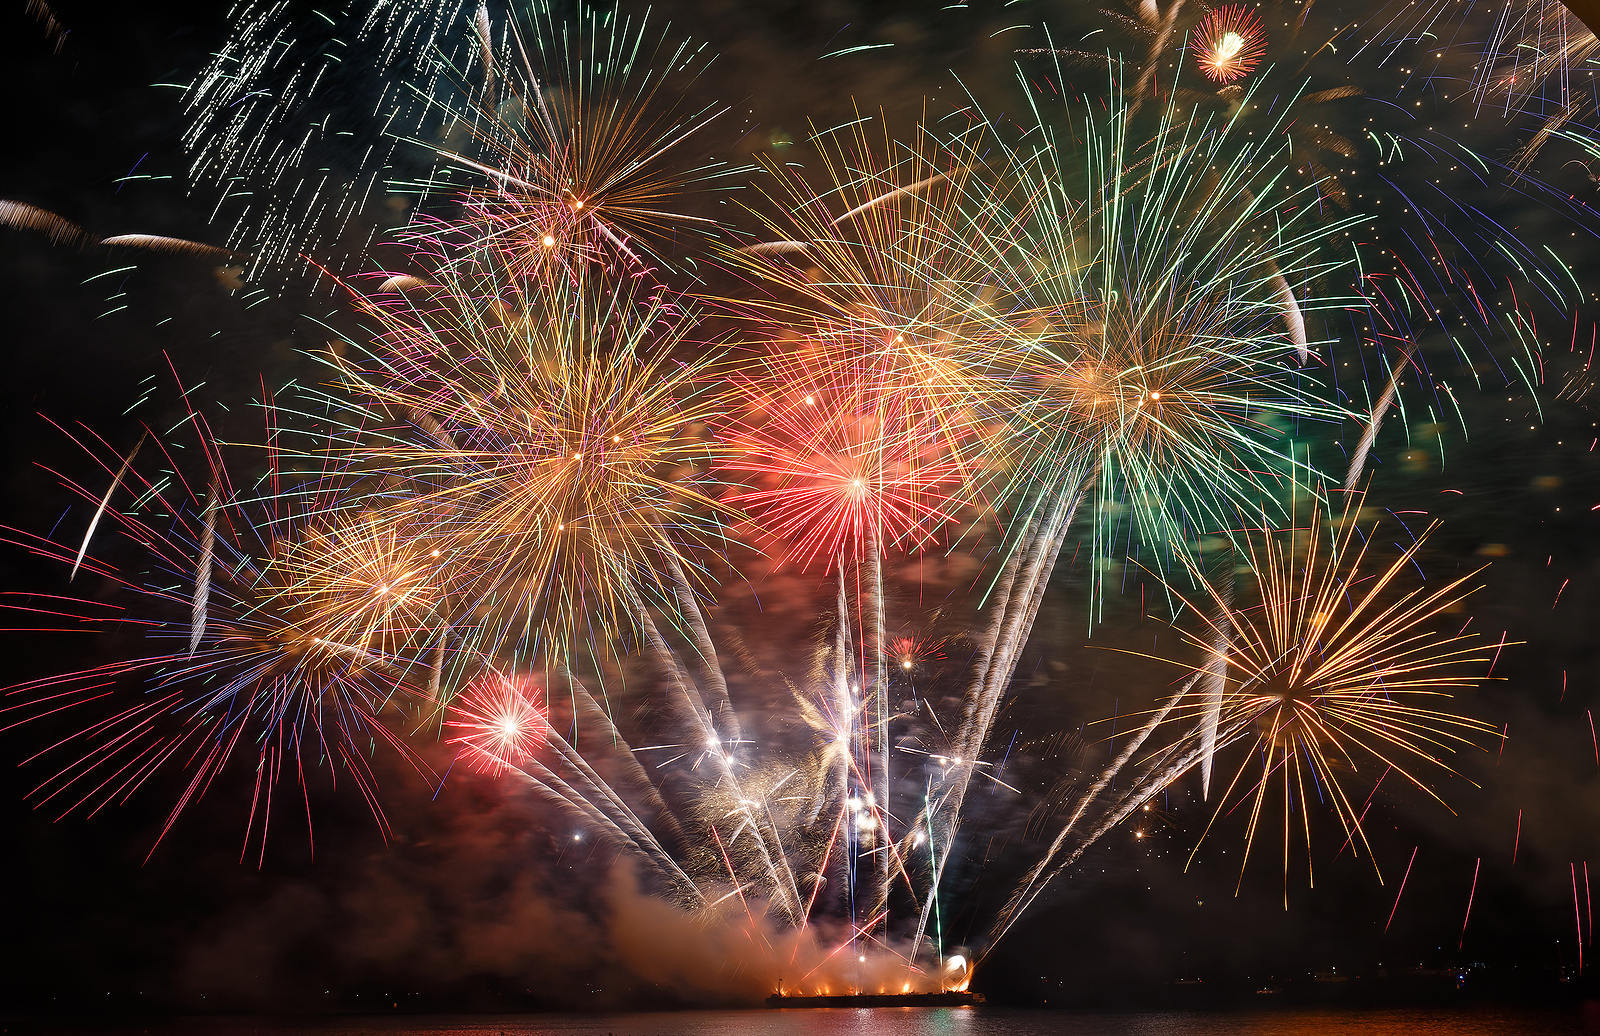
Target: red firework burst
(909, 654)
(844, 457)
(1229, 42)
(501, 719)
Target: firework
(530, 462)
(848, 469)
(241, 664)
(567, 143)
(1337, 666)
(1154, 360)
(846, 463)
(499, 721)
(375, 586)
(534, 127)
(1329, 668)
(547, 441)
(1427, 272)
(1228, 43)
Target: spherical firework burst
(1228, 42)
(1157, 353)
(251, 665)
(360, 582)
(499, 720)
(549, 442)
(845, 466)
(573, 124)
(1336, 669)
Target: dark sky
(475, 901)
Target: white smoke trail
(202, 574)
(1216, 673)
(94, 522)
(1358, 459)
(1292, 316)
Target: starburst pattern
(1229, 42)
(498, 720)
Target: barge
(950, 998)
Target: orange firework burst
(1229, 42)
(1336, 666)
(501, 721)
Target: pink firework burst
(1229, 42)
(501, 721)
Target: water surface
(905, 1021)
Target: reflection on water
(1486, 1021)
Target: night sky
(477, 899)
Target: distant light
(549, 241)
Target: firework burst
(1337, 668)
(1228, 43)
(847, 463)
(574, 125)
(549, 443)
(498, 720)
(376, 586)
(253, 666)
(1155, 359)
